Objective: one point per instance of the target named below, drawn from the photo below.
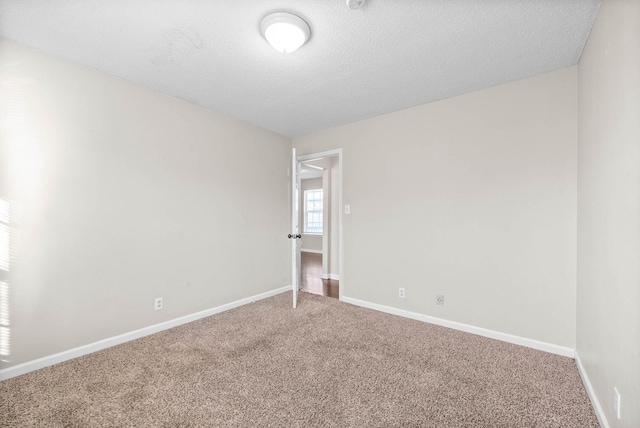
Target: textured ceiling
(389, 55)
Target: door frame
(329, 154)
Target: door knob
(298, 236)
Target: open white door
(295, 234)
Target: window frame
(305, 211)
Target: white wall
(309, 242)
(608, 323)
(121, 195)
(473, 197)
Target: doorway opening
(320, 199)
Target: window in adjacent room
(313, 211)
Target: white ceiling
(387, 56)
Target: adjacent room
(337, 213)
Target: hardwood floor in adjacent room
(311, 266)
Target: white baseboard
(330, 276)
(597, 408)
(523, 341)
(50, 360)
(305, 250)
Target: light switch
(347, 209)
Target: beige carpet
(326, 363)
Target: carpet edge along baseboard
(40, 363)
(50, 360)
(493, 334)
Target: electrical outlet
(439, 299)
(616, 402)
(401, 292)
(158, 304)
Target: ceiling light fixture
(355, 4)
(284, 31)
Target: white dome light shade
(284, 31)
